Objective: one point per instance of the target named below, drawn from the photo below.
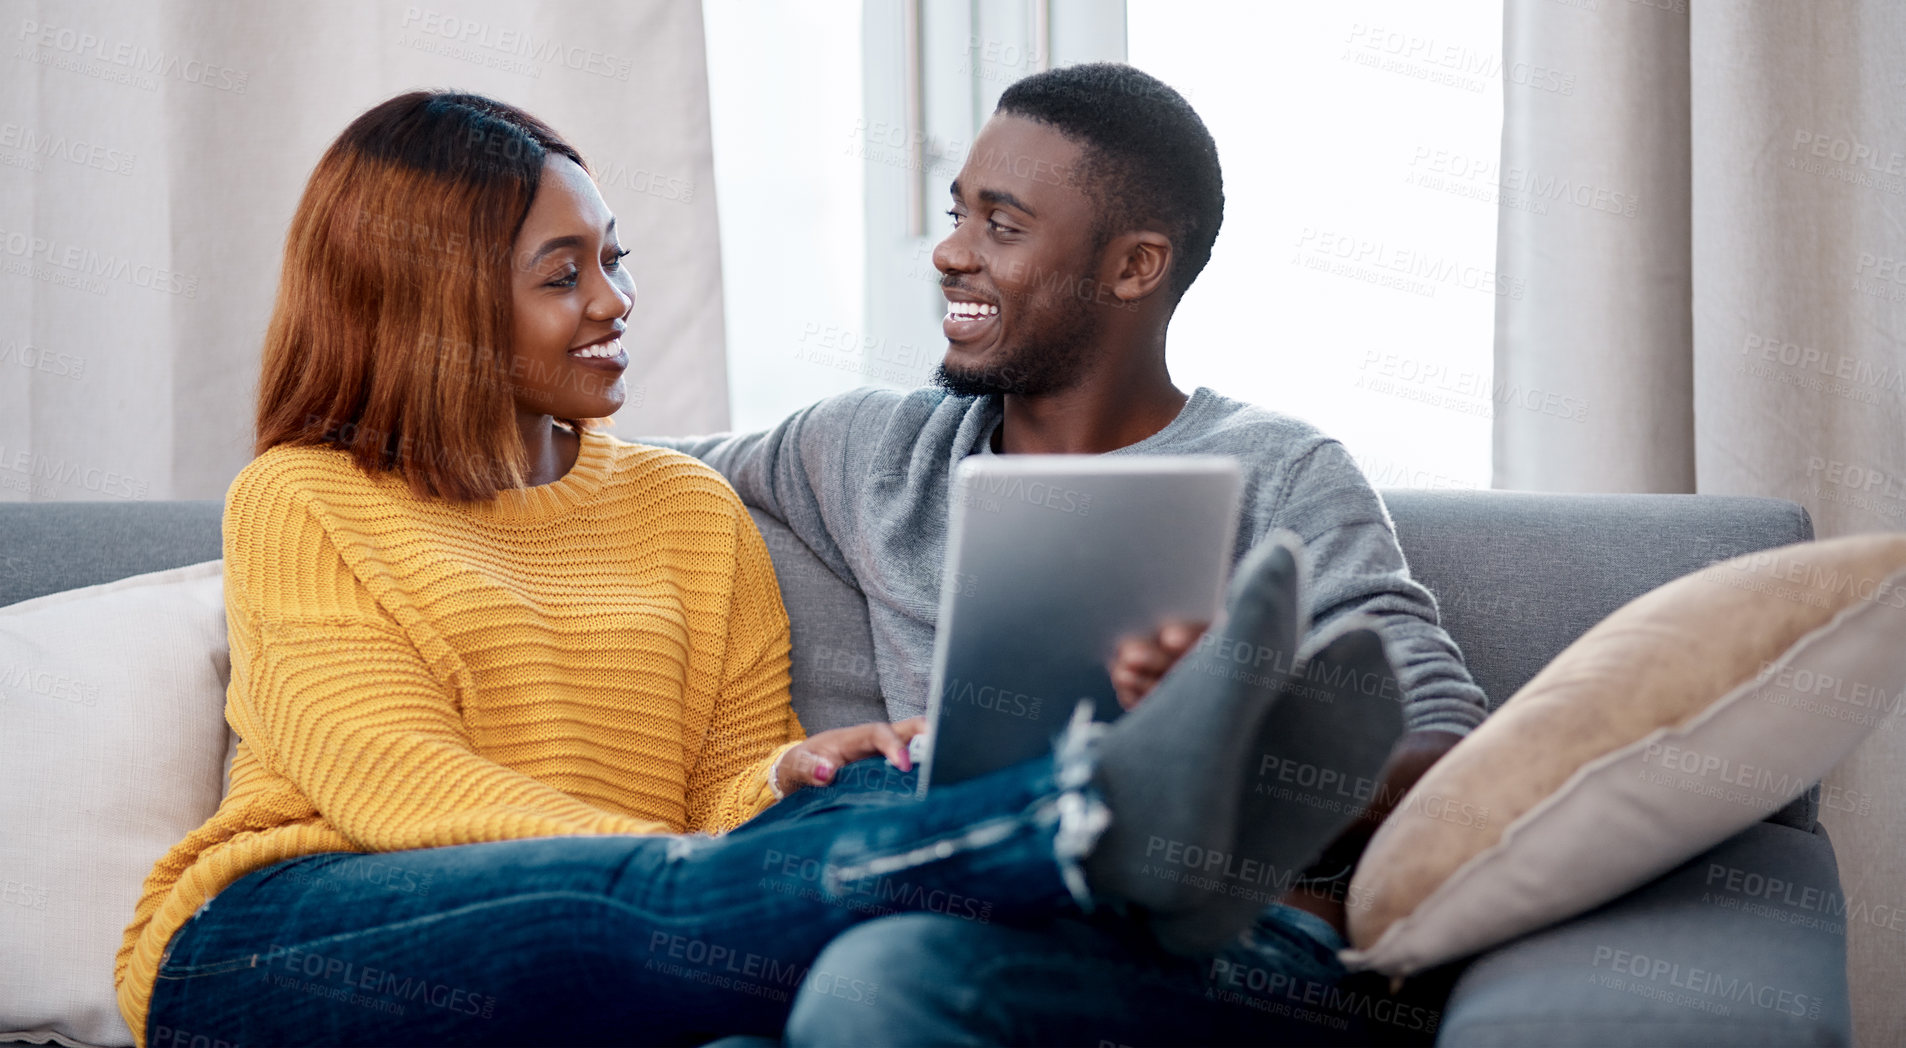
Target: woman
(501, 679)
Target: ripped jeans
(611, 940)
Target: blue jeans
(921, 979)
(857, 786)
(600, 940)
(927, 980)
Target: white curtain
(151, 155)
(1593, 220)
(1739, 331)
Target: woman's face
(571, 297)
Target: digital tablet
(1050, 559)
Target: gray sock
(1175, 770)
(1318, 757)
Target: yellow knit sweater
(604, 654)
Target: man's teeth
(970, 310)
(601, 349)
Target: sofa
(1518, 576)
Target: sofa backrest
(832, 681)
(46, 547)
(1518, 575)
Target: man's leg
(932, 980)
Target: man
(1088, 204)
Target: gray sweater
(863, 479)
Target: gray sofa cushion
(1518, 576)
(1745, 945)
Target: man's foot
(1175, 770)
(1316, 767)
(1320, 765)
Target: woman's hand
(815, 762)
(1139, 663)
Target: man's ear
(1143, 258)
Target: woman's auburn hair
(391, 333)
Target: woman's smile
(604, 354)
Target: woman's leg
(660, 939)
(595, 939)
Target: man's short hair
(1149, 162)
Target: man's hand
(1139, 662)
(814, 762)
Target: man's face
(1020, 270)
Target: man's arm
(1355, 565)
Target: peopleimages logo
(1704, 987)
(51, 362)
(1521, 186)
(21, 677)
(88, 263)
(515, 43)
(1822, 579)
(992, 697)
(1827, 146)
(990, 492)
(24, 468)
(335, 978)
(1797, 904)
(1419, 272)
(1877, 374)
(1723, 778)
(802, 876)
(121, 60)
(73, 150)
(1325, 1003)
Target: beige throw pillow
(1686, 716)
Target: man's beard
(1046, 361)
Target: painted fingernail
(823, 772)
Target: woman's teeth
(970, 310)
(601, 349)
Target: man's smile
(968, 318)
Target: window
(1353, 284)
(784, 98)
(1354, 281)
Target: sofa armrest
(1745, 945)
